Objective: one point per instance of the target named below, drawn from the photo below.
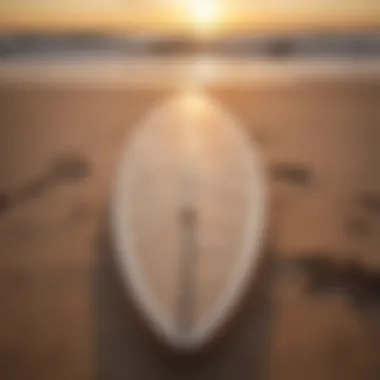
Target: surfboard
(188, 218)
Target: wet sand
(63, 314)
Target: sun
(204, 13)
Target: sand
(63, 314)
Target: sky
(147, 5)
(217, 14)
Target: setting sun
(204, 13)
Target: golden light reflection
(204, 69)
(193, 101)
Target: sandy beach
(63, 315)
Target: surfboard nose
(188, 218)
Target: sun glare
(204, 13)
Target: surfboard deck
(188, 218)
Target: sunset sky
(188, 15)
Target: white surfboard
(188, 218)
